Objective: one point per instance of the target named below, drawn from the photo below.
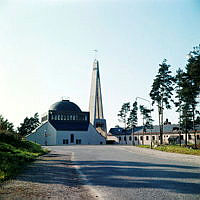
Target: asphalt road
(127, 172)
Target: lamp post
(150, 115)
(45, 135)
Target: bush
(15, 153)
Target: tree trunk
(195, 139)
(159, 120)
(161, 138)
(186, 131)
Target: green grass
(15, 154)
(175, 149)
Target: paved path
(127, 172)
(51, 177)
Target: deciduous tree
(28, 125)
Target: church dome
(65, 106)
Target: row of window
(136, 138)
(66, 141)
(153, 137)
(69, 117)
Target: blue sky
(46, 51)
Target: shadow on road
(116, 174)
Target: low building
(137, 136)
(66, 124)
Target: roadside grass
(15, 154)
(175, 149)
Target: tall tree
(123, 113)
(193, 66)
(132, 119)
(161, 92)
(187, 92)
(178, 80)
(28, 125)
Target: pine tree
(193, 66)
(161, 92)
(123, 113)
(132, 119)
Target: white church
(65, 123)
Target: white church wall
(45, 134)
(80, 137)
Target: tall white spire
(96, 105)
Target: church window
(153, 137)
(141, 137)
(130, 138)
(72, 138)
(65, 141)
(124, 138)
(78, 141)
(56, 117)
(147, 137)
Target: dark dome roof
(65, 106)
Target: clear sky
(46, 51)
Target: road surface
(127, 172)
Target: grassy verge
(175, 149)
(15, 154)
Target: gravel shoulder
(52, 176)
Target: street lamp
(150, 115)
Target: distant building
(136, 136)
(66, 124)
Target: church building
(66, 124)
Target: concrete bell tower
(96, 105)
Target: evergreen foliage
(123, 113)
(5, 125)
(132, 119)
(147, 119)
(161, 92)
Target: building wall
(140, 139)
(45, 134)
(125, 139)
(80, 137)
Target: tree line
(180, 90)
(25, 128)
